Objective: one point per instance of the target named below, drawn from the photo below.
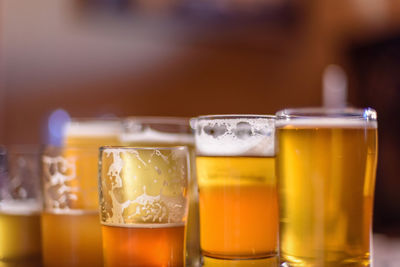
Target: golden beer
(20, 207)
(326, 174)
(72, 239)
(238, 206)
(20, 233)
(237, 186)
(144, 245)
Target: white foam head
(20, 207)
(235, 135)
(152, 136)
(92, 128)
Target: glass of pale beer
(237, 186)
(326, 164)
(20, 206)
(143, 204)
(71, 232)
(166, 132)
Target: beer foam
(153, 136)
(145, 225)
(148, 208)
(326, 122)
(20, 207)
(95, 128)
(235, 137)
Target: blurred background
(108, 58)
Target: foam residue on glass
(235, 136)
(59, 176)
(146, 186)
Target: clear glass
(20, 206)
(326, 164)
(237, 186)
(144, 202)
(71, 232)
(170, 131)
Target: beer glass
(326, 165)
(71, 232)
(170, 131)
(20, 206)
(92, 132)
(143, 203)
(237, 186)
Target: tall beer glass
(71, 232)
(20, 206)
(237, 186)
(143, 201)
(326, 165)
(170, 131)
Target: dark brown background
(180, 58)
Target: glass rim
(162, 148)
(93, 119)
(53, 148)
(327, 113)
(166, 120)
(234, 116)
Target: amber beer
(72, 239)
(237, 186)
(71, 229)
(168, 132)
(144, 245)
(143, 200)
(238, 206)
(326, 171)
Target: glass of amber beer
(143, 203)
(326, 165)
(20, 206)
(71, 232)
(237, 186)
(166, 132)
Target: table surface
(386, 251)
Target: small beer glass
(144, 203)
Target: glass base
(308, 262)
(215, 262)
